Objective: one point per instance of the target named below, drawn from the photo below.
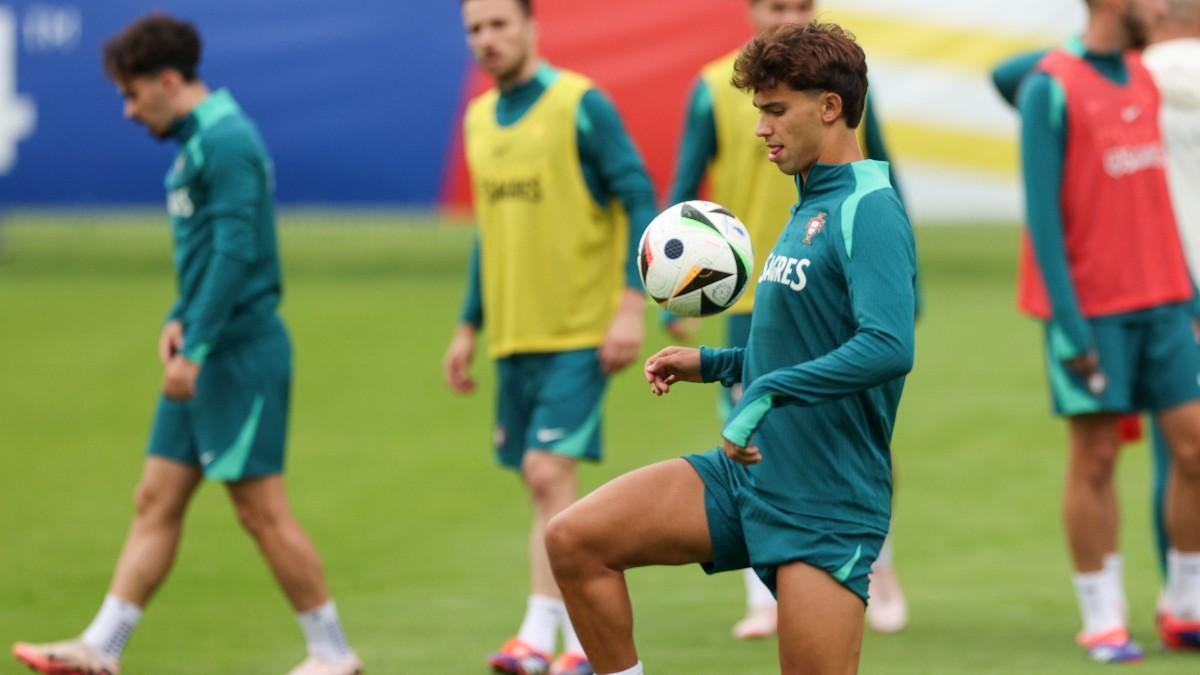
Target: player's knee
(566, 544)
(255, 519)
(1095, 466)
(548, 482)
(1185, 458)
(154, 502)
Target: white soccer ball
(695, 258)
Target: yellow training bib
(550, 256)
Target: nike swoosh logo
(550, 435)
(843, 572)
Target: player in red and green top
(561, 198)
(1103, 267)
(224, 407)
(801, 489)
(718, 141)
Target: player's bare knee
(548, 482)
(1185, 459)
(255, 519)
(1096, 465)
(566, 544)
(154, 502)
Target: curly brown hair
(817, 56)
(152, 44)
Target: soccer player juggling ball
(223, 411)
(718, 141)
(1104, 269)
(801, 488)
(561, 198)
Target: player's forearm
(722, 365)
(472, 307)
(209, 313)
(867, 360)
(697, 147)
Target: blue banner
(356, 100)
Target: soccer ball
(695, 259)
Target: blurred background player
(226, 353)
(718, 141)
(553, 273)
(1173, 58)
(1104, 268)
(801, 489)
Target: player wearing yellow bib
(561, 198)
(719, 142)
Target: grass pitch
(424, 539)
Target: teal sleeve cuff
(746, 417)
(197, 353)
(721, 365)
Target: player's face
(771, 14)
(792, 124)
(148, 102)
(500, 36)
(1137, 18)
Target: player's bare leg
(1090, 498)
(1091, 521)
(160, 502)
(652, 516)
(552, 485)
(1179, 623)
(263, 509)
(820, 623)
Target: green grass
(423, 538)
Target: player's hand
(625, 334)
(456, 366)
(742, 455)
(170, 341)
(671, 365)
(682, 330)
(179, 383)
(1085, 364)
(1088, 366)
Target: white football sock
(1099, 602)
(884, 559)
(1114, 567)
(1183, 585)
(543, 616)
(323, 631)
(114, 623)
(635, 670)
(758, 595)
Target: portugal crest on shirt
(814, 227)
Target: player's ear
(831, 106)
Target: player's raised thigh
(652, 516)
(820, 622)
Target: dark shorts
(236, 426)
(746, 531)
(1148, 359)
(550, 402)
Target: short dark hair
(526, 6)
(820, 56)
(152, 44)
